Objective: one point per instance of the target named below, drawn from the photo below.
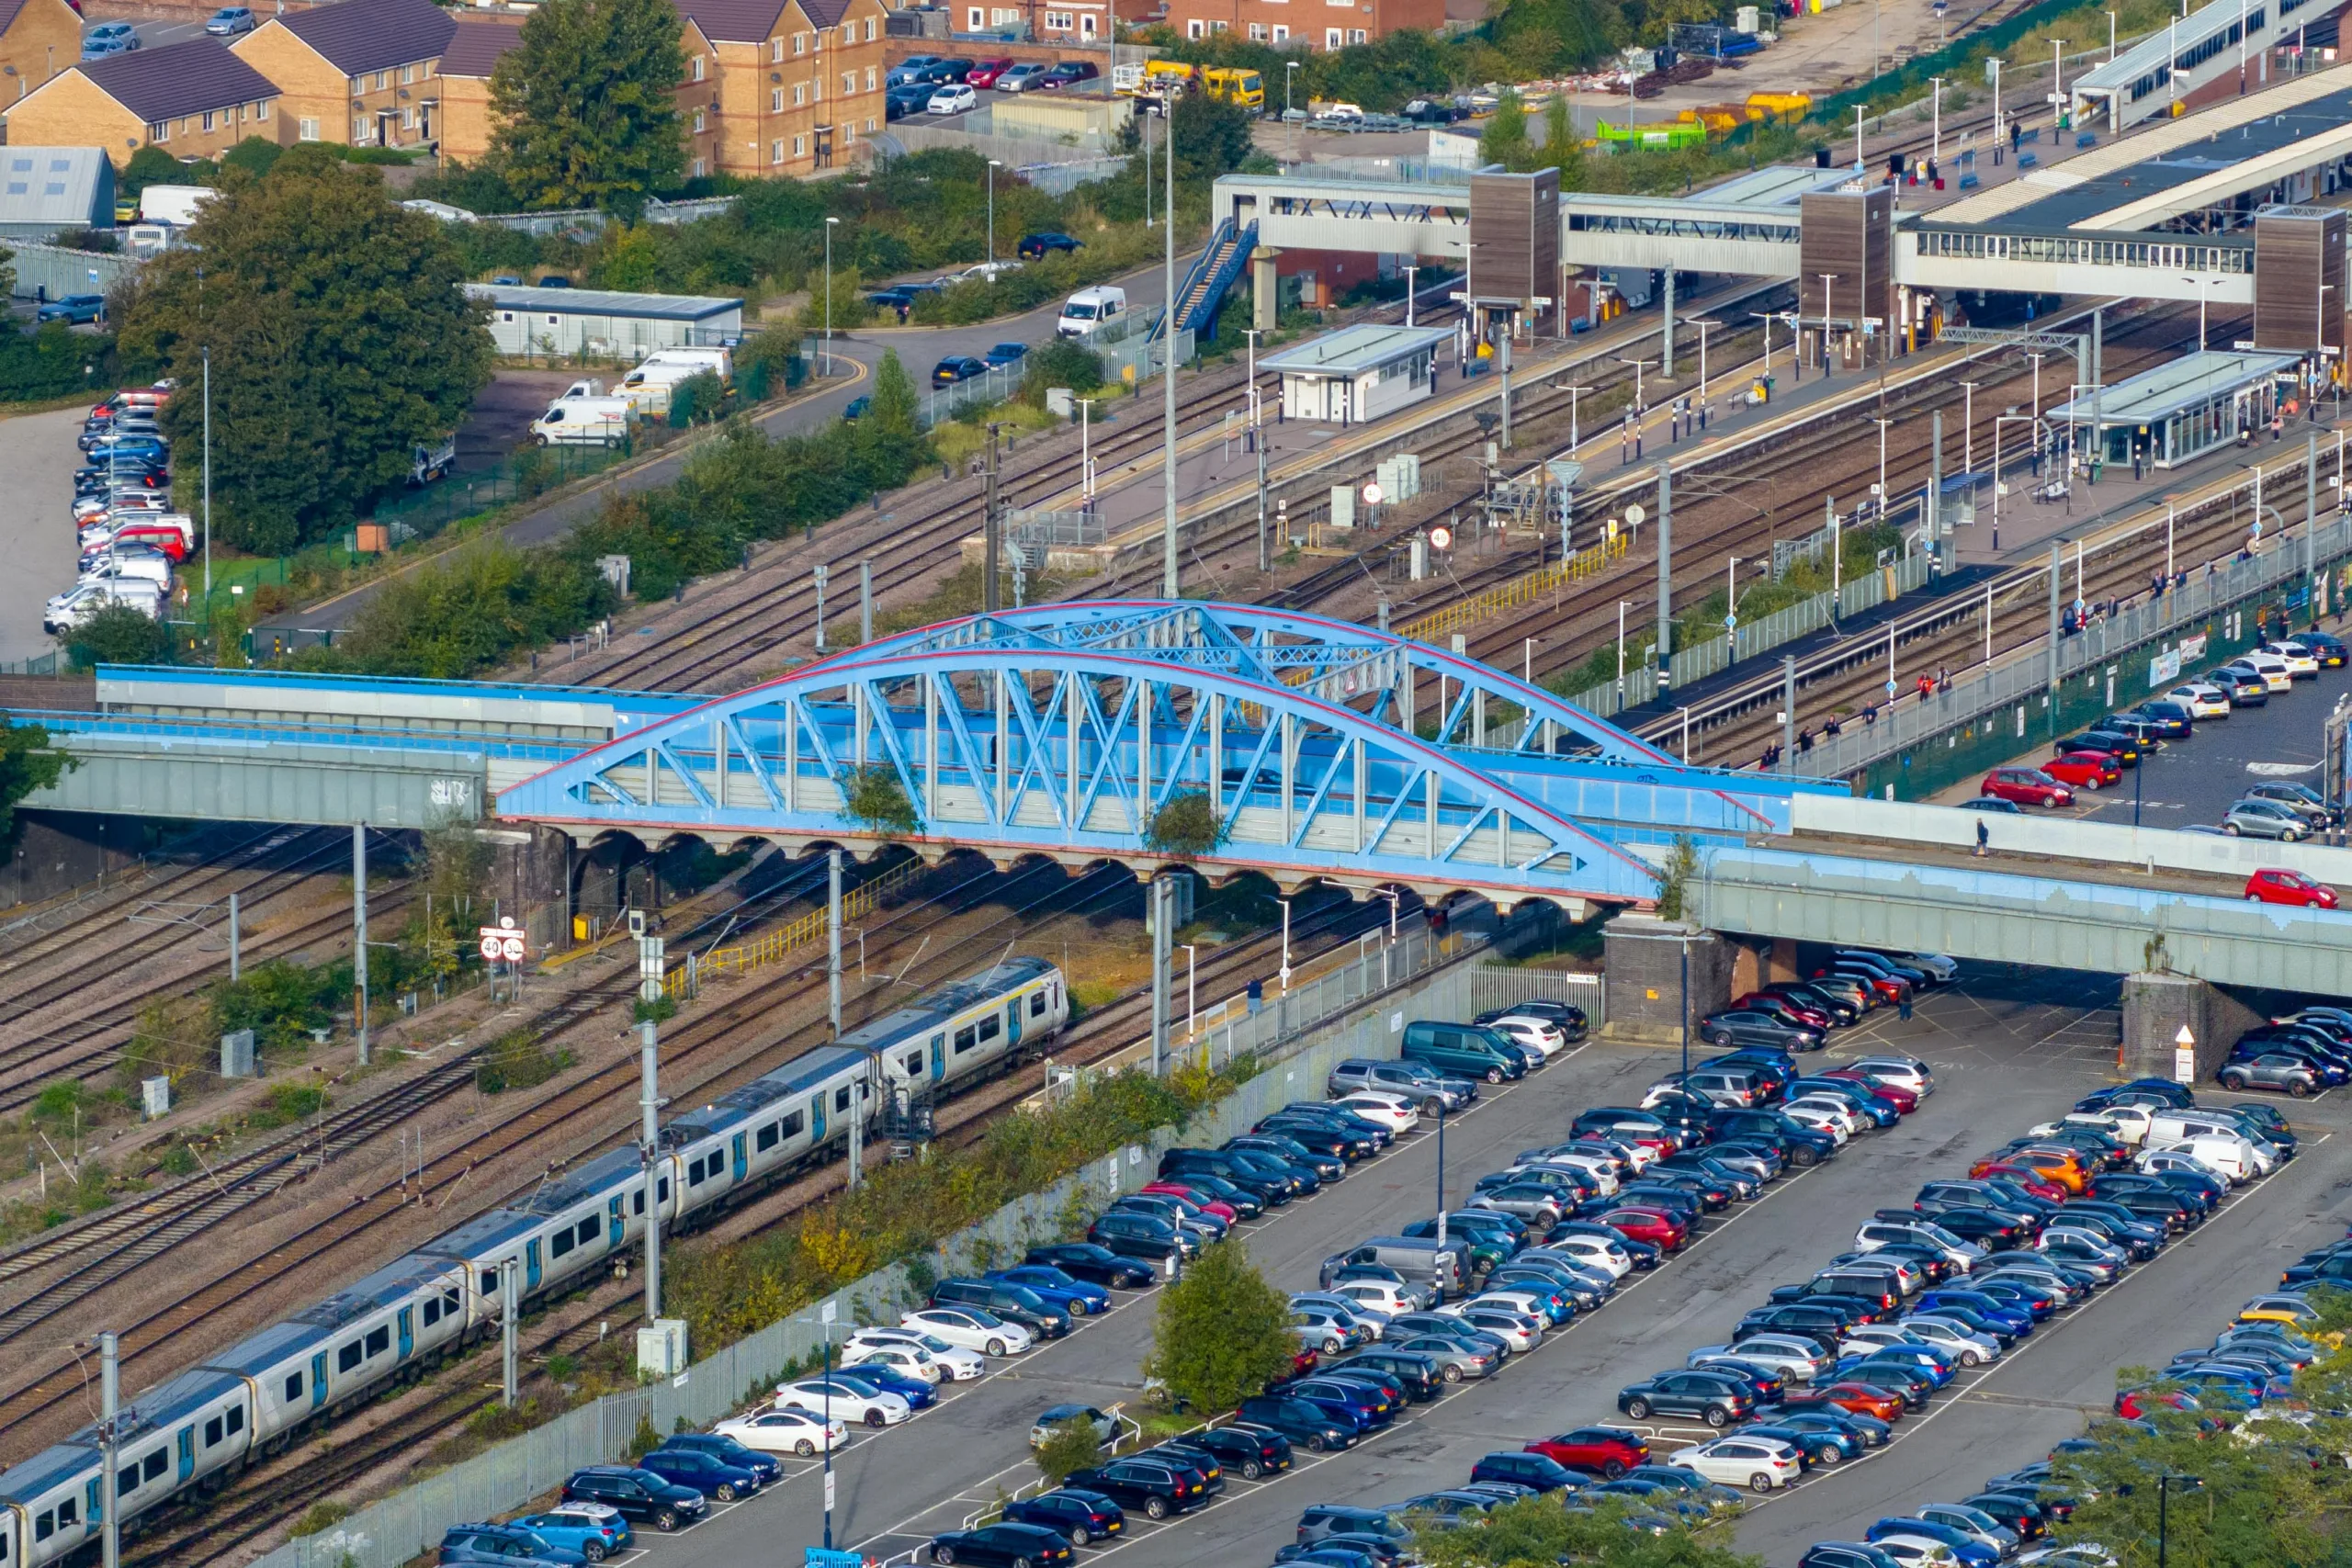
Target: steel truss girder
(1307, 789)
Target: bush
(1186, 827)
(118, 634)
(876, 799)
(52, 361)
(1065, 362)
(1073, 1445)
(519, 1060)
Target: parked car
(1070, 72)
(1097, 1265)
(2299, 797)
(480, 1546)
(2283, 886)
(1080, 1517)
(2254, 819)
(957, 367)
(1037, 246)
(1606, 1451)
(2025, 787)
(73, 308)
(1002, 1546)
(2085, 769)
(1760, 1464)
(713, 1477)
(953, 97)
(636, 1493)
(792, 1431)
(110, 37)
(589, 1528)
(231, 20)
(984, 72)
(1718, 1398)
(1158, 1489)
(1753, 1026)
(1020, 78)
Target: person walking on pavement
(1902, 1002)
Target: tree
(26, 764)
(7, 273)
(582, 106)
(340, 341)
(118, 634)
(1222, 1333)
(1505, 139)
(1072, 1446)
(1536, 1532)
(153, 165)
(1211, 137)
(895, 405)
(1062, 362)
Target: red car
(983, 75)
(1214, 1205)
(2027, 786)
(1905, 1100)
(1887, 988)
(2134, 1403)
(2288, 887)
(1787, 1008)
(1858, 1398)
(1609, 1451)
(2090, 770)
(1654, 1226)
(2026, 1177)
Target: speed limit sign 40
(493, 948)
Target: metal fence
(1765, 633)
(1299, 1039)
(591, 220)
(2025, 674)
(52, 272)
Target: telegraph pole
(359, 936)
(109, 1418)
(510, 1314)
(991, 597)
(1169, 573)
(1161, 904)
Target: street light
(1191, 997)
(830, 223)
(2202, 283)
(1704, 326)
(1285, 973)
(2163, 1497)
(1998, 484)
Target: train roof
(599, 1176)
(46, 1471)
(171, 1401)
(482, 1233)
(256, 1354)
(935, 1007)
(396, 1281)
(802, 1073)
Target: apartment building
(779, 87)
(466, 64)
(194, 99)
(365, 73)
(1316, 24)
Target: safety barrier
(685, 982)
(1518, 590)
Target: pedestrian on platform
(1983, 836)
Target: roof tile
(178, 79)
(373, 35)
(474, 49)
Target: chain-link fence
(1350, 1017)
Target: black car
(1035, 247)
(1716, 1398)
(2124, 748)
(1140, 1235)
(1246, 1451)
(1526, 1469)
(1079, 1517)
(1095, 1265)
(1753, 1026)
(727, 1450)
(1002, 1546)
(708, 1473)
(1158, 1489)
(1419, 1376)
(1799, 1145)
(1295, 1156)
(637, 1495)
(901, 102)
(1300, 1421)
(1570, 1019)
(2168, 719)
(1321, 1134)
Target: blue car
(498, 1546)
(872, 1379)
(706, 1473)
(1368, 1405)
(1822, 1446)
(589, 1528)
(1007, 354)
(110, 37)
(728, 1450)
(1074, 1296)
(2006, 1316)
(1972, 1553)
(1921, 1360)
(73, 308)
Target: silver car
(1794, 1357)
(2254, 819)
(1454, 1362)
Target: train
(191, 1434)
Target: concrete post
(1502, 362)
(359, 937)
(1666, 334)
(1665, 576)
(833, 940)
(649, 1148)
(2311, 526)
(2057, 571)
(235, 952)
(109, 1416)
(865, 601)
(1160, 982)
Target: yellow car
(2293, 1311)
(126, 209)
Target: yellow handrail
(806, 931)
(1518, 590)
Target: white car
(1793, 1356)
(1831, 1115)
(1593, 1252)
(1917, 1550)
(2155, 1162)
(1908, 1071)
(954, 1362)
(1397, 1113)
(971, 1328)
(785, 1432)
(1524, 1302)
(1969, 1349)
(2124, 1124)
(1380, 1296)
(2300, 660)
(1519, 1329)
(1942, 969)
(1760, 1464)
(2203, 699)
(955, 97)
(1603, 1171)
(826, 1396)
(1540, 1035)
(2275, 676)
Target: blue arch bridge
(1327, 751)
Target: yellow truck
(1235, 84)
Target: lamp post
(1409, 271)
(1168, 568)
(2165, 1483)
(1290, 66)
(994, 164)
(1731, 605)
(1879, 490)
(1192, 996)
(1999, 485)
(2110, 37)
(2202, 283)
(1620, 653)
(1704, 326)
(1285, 973)
(829, 224)
(1828, 280)
(1440, 1172)
(207, 481)
(1936, 122)
(1968, 426)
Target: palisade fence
(1300, 1038)
(52, 272)
(1785, 626)
(2023, 675)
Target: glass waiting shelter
(2179, 410)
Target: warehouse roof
(605, 302)
(53, 187)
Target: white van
(2231, 1158)
(130, 564)
(647, 387)
(1089, 310)
(78, 604)
(583, 421)
(717, 360)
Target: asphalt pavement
(2008, 1049)
(36, 524)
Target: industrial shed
(570, 322)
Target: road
(2008, 1050)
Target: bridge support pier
(2156, 1007)
(531, 878)
(1265, 292)
(1643, 960)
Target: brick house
(194, 99)
(466, 65)
(363, 73)
(38, 40)
(779, 87)
(1318, 24)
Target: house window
(1196, 29)
(558, 321)
(775, 100)
(800, 43)
(799, 93)
(159, 131)
(1218, 26)
(1281, 32)
(383, 80)
(817, 88)
(1257, 32)
(699, 121)
(261, 112)
(408, 118)
(849, 82)
(979, 18)
(506, 315)
(776, 50)
(695, 71)
(700, 169)
(307, 131)
(1357, 35)
(208, 119)
(799, 146)
(1332, 36)
(869, 125)
(869, 78)
(408, 74)
(1086, 25)
(358, 131)
(869, 29)
(358, 86)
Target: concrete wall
(2155, 1006)
(1643, 977)
(57, 852)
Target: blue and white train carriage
(193, 1432)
